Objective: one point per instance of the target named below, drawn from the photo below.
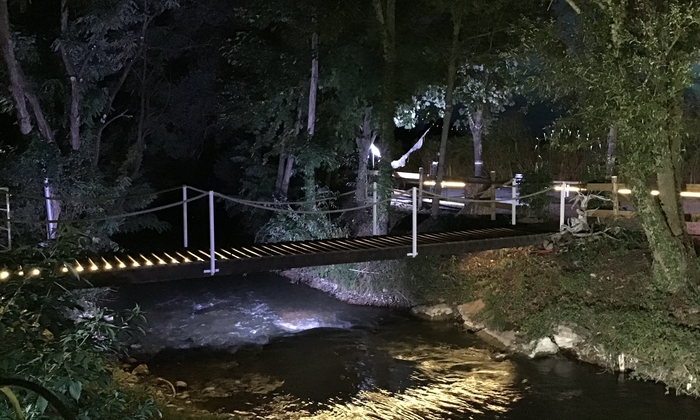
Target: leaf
(41, 404)
(74, 389)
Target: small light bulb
(94, 267)
(79, 269)
(4, 275)
(64, 269)
(20, 273)
(36, 272)
(108, 266)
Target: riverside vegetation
(599, 286)
(56, 336)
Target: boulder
(566, 338)
(468, 311)
(542, 347)
(440, 312)
(502, 340)
(140, 370)
(180, 384)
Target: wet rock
(209, 389)
(180, 384)
(542, 347)
(440, 312)
(468, 311)
(502, 340)
(185, 395)
(499, 357)
(130, 379)
(566, 338)
(140, 370)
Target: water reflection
(262, 348)
(448, 382)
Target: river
(262, 347)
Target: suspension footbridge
(186, 262)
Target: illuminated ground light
(78, 267)
(148, 262)
(108, 266)
(93, 266)
(134, 263)
(35, 272)
(121, 263)
(20, 273)
(64, 269)
(172, 260)
(4, 275)
(184, 259)
(160, 260)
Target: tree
(634, 60)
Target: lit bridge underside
(123, 269)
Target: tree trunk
(281, 165)
(288, 170)
(13, 70)
(476, 126)
(386, 17)
(610, 156)
(20, 89)
(313, 86)
(447, 120)
(309, 172)
(74, 114)
(673, 257)
(364, 142)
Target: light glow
(108, 266)
(184, 259)
(121, 263)
(64, 269)
(160, 260)
(172, 260)
(4, 275)
(93, 266)
(446, 184)
(375, 151)
(20, 273)
(626, 191)
(148, 262)
(195, 255)
(134, 263)
(35, 272)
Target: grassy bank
(599, 285)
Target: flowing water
(261, 347)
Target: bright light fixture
(35, 272)
(64, 269)
(4, 275)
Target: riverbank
(589, 298)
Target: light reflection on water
(449, 381)
(263, 348)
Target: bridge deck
(127, 269)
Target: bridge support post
(414, 252)
(562, 204)
(185, 238)
(513, 204)
(212, 245)
(374, 208)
